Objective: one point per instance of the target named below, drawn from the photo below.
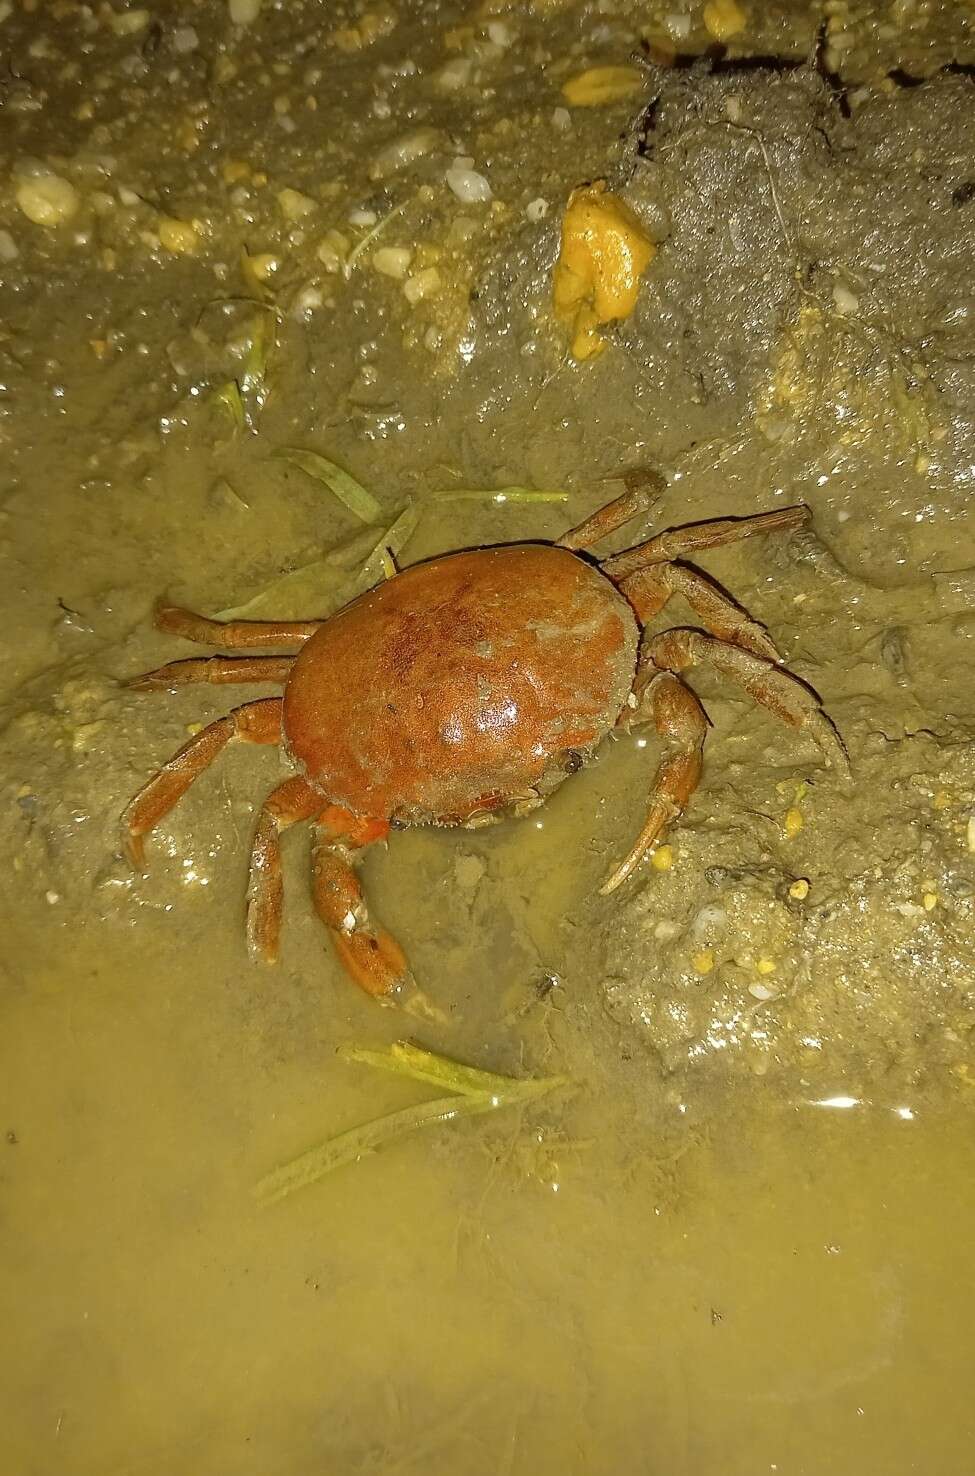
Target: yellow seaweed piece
(604, 252)
(599, 85)
(724, 18)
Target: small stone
(48, 199)
(178, 236)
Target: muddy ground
(805, 332)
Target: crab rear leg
(236, 635)
(215, 670)
(288, 804)
(781, 692)
(648, 590)
(254, 722)
(369, 954)
(681, 723)
(643, 488)
(677, 543)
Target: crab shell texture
(469, 684)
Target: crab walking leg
(781, 692)
(236, 635)
(370, 956)
(648, 590)
(681, 723)
(255, 722)
(289, 804)
(642, 491)
(676, 543)
(215, 670)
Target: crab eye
(572, 761)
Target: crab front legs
(369, 954)
(254, 722)
(765, 682)
(681, 723)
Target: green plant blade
(498, 494)
(339, 482)
(357, 1142)
(229, 399)
(406, 1059)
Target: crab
(467, 687)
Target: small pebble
(8, 247)
(467, 184)
(294, 205)
(799, 889)
(178, 236)
(421, 284)
(244, 12)
(537, 209)
(185, 39)
(844, 300)
(662, 858)
(392, 261)
(48, 200)
(703, 961)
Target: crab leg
(237, 635)
(255, 722)
(371, 956)
(648, 590)
(781, 692)
(681, 722)
(288, 804)
(213, 669)
(643, 488)
(677, 542)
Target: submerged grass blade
(254, 373)
(228, 397)
(339, 482)
(405, 1059)
(498, 494)
(350, 1146)
(381, 562)
(473, 1093)
(367, 240)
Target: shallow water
(738, 1242)
(748, 1286)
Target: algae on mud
(728, 1249)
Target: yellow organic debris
(724, 18)
(662, 858)
(793, 822)
(179, 236)
(599, 85)
(604, 251)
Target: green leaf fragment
(357, 1142)
(389, 547)
(473, 1093)
(410, 1060)
(498, 494)
(339, 482)
(228, 396)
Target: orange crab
(465, 686)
